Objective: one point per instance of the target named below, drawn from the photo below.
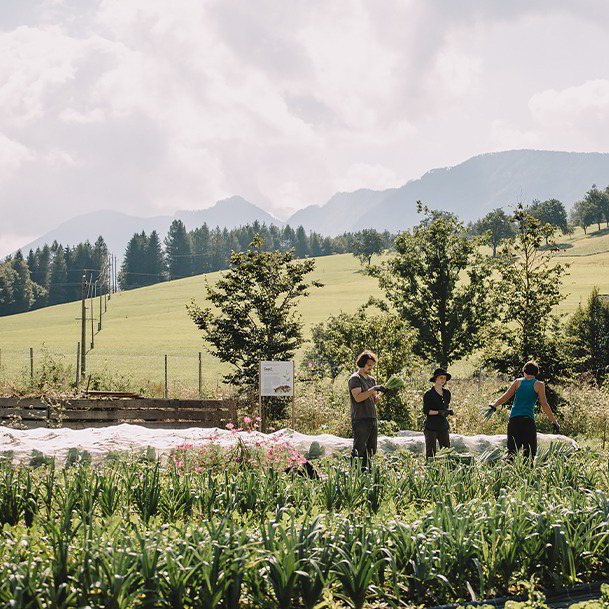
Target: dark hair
(363, 357)
(531, 368)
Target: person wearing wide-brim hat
(435, 406)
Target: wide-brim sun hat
(439, 372)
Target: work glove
(556, 427)
(488, 411)
(380, 388)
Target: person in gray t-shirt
(364, 394)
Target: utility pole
(108, 275)
(99, 325)
(92, 316)
(83, 327)
(115, 275)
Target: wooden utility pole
(83, 327)
(99, 325)
(115, 275)
(200, 377)
(166, 380)
(92, 316)
(77, 365)
(32, 364)
(109, 275)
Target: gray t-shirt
(367, 408)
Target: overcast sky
(149, 106)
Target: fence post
(166, 393)
(78, 365)
(32, 364)
(200, 377)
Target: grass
(143, 325)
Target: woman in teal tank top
(522, 432)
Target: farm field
(143, 325)
(211, 526)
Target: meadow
(143, 325)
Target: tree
(589, 331)
(8, 279)
(496, 224)
(526, 294)
(423, 282)
(154, 262)
(599, 201)
(302, 243)
(583, 213)
(133, 269)
(177, 251)
(200, 239)
(58, 279)
(550, 212)
(366, 244)
(256, 318)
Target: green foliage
(257, 318)
(178, 251)
(496, 225)
(525, 297)
(366, 244)
(583, 213)
(552, 213)
(589, 331)
(423, 283)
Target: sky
(149, 106)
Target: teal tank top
(525, 399)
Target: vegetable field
(232, 529)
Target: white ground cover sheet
(134, 438)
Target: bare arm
(540, 388)
(361, 396)
(508, 394)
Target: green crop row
(138, 534)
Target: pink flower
(258, 419)
(229, 426)
(247, 419)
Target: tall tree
(589, 331)
(256, 318)
(301, 247)
(496, 224)
(177, 251)
(528, 290)
(422, 281)
(200, 239)
(367, 243)
(551, 212)
(599, 201)
(23, 292)
(58, 278)
(583, 213)
(154, 260)
(8, 279)
(133, 269)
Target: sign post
(275, 379)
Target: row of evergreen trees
(205, 250)
(50, 275)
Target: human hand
(380, 388)
(488, 411)
(556, 427)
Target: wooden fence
(82, 413)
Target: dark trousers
(431, 436)
(522, 434)
(365, 434)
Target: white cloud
(13, 155)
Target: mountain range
(470, 190)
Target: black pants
(365, 434)
(431, 435)
(522, 434)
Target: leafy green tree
(599, 201)
(302, 243)
(496, 224)
(551, 212)
(583, 213)
(8, 280)
(200, 239)
(255, 318)
(589, 330)
(133, 268)
(337, 342)
(366, 244)
(526, 294)
(178, 251)
(439, 283)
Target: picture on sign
(277, 379)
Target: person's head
(366, 360)
(531, 368)
(440, 376)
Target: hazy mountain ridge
(470, 189)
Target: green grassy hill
(143, 325)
